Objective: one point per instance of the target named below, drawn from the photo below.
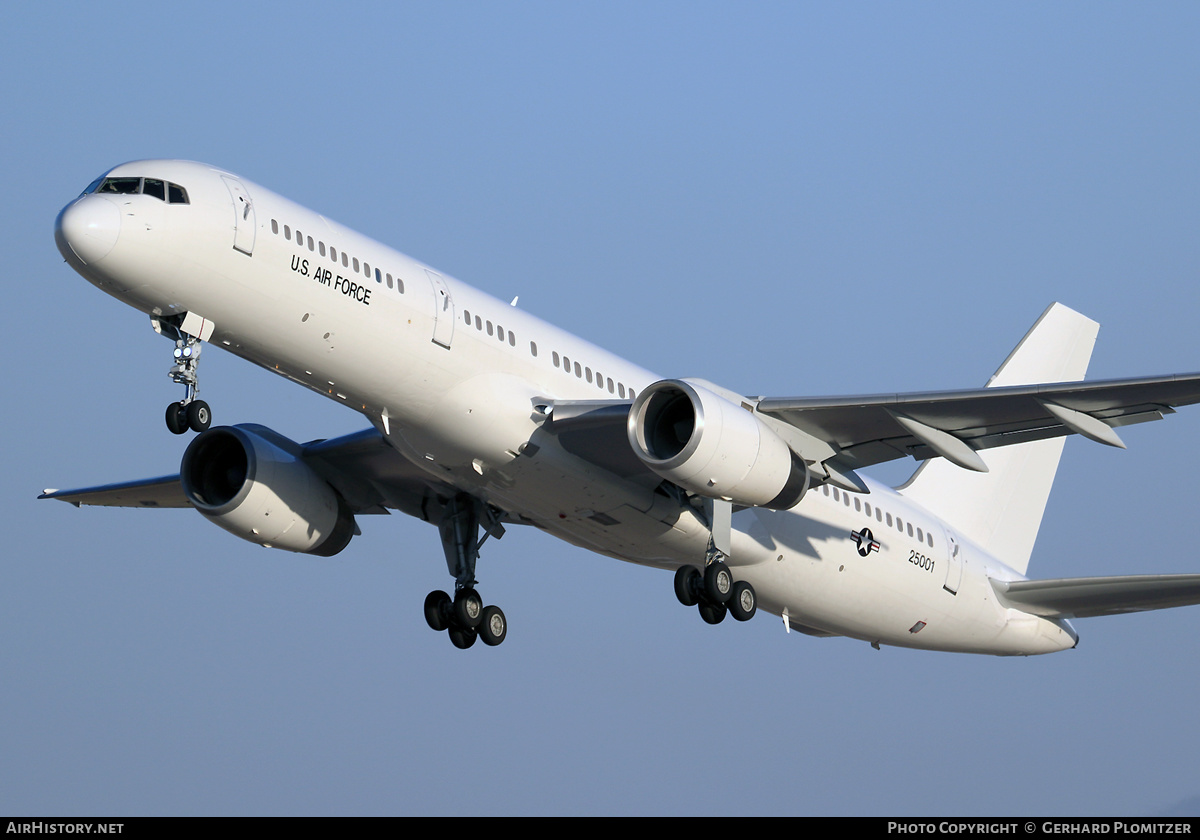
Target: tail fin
(1002, 509)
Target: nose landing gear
(188, 413)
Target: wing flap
(1088, 597)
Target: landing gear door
(443, 310)
(243, 215)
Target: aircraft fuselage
(459, 382)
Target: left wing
(868, 430)
(848, 433)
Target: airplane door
(954, 565)
(243, 215)
(443, 310)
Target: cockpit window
(121, 186)
(162, 190)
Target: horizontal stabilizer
(1087, 597)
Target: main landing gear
(464, 617)
(189, 413)
(715, 591)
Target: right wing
(368, 473)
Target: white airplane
(484, 416)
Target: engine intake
(708, 444)
(253, 483)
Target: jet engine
(252, 482)
(710, 445)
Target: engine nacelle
(710, 445)
(254, 485)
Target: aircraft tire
(199, 415)
(688, 584)
(712, 613)
(462, 638)
(718, 582)
(437, 608)
(177, 418)
(743, 603)
(493, 627)
(468, 608)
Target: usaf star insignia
(865, 540)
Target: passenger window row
(347, 261)
(496, 330)
(598, 379)
(880, 515)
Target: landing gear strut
(188, 413)
(464, 617)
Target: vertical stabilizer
(1001, 509)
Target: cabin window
(489, 328)
(621, 390)
(346, 261)
(321, 248)
(312, 246)
(857, 505)
(578, 371)
(274, 226)
(533, 349)
(379, 277)
(500, 333)
(554, 357)
(466, 313)
(512, 339)
(389, 281)
(889, 520)
(366, 271)
(287, 232)
(611, 389)
(478, 323)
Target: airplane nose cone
(87, 229)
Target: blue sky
(786, 199)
